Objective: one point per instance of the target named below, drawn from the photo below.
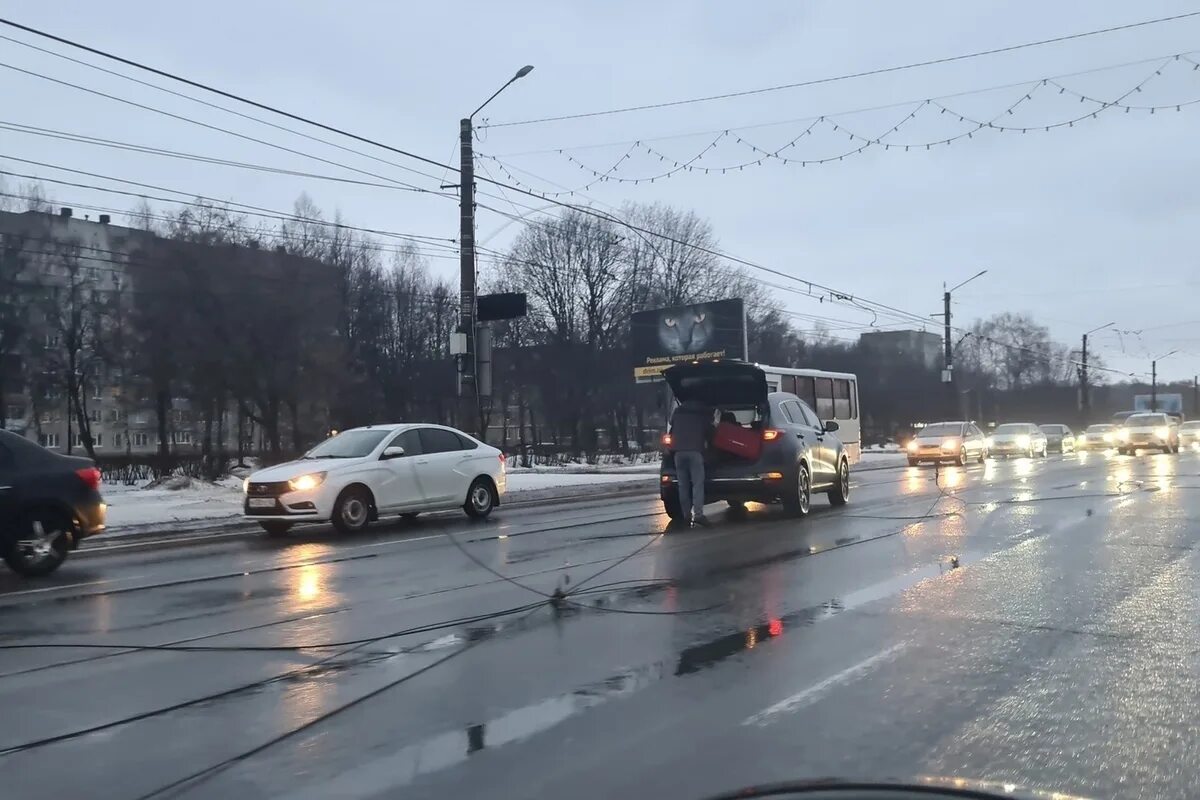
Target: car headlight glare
(306, 482)
(1123, 435)
(1163, 433)
(1108, 437)
(950, 445)
(912, 446)
(1023, 441)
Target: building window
(140, 440)
(94, 414)
(48, 440)
(182, 437)
(98, 439)
(116, 440)
(52, 340)
(97, 391)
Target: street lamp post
(948, 373)
(1154, 379)
(464, 349)
(1084, 398)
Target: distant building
(905, 344)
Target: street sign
(506, 305)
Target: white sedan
(361, 474)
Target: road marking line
(815, 692)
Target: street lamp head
(523, 71)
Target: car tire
(480, 499)
(43, 558)
(275, 529)
(839, 495)
(352, 510)
(961, 458)
(671, 506)
(736, 506)
(798, 500)
(983, 454)
(912, 462)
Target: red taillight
(771, 434)
(90, 476)
(667, 440)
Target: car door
(437, 473)
(973, 441)
(398, 487)
(823, 446)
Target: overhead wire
(851, 75)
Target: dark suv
(48, 503)
(798, 454)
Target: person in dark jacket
(691, 428)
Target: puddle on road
(456, 746)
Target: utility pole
(952, 404)
(1196, 396)
(468, 394)
(948, 374)
(1085, 400)
(469, 416)
(1154, 379)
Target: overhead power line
(844, 77)
(834, 295)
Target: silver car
(959, 442)
(1018, 439)
(1189, 434)
(1097, 437)
(1148, 431)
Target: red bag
(733, 438)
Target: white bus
(833, 395)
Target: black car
(798, 455)
(48, 503)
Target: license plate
(261, 502)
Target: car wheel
(912, 462)
(736, 506)
(42, 543)
(670, 501)
(961, 458)
(276, 529)
(352, 510)
(839, 495)
(799, 499)
(480, 499)
(983, 454)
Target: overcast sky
(1080, 226)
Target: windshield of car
(1100, 428)
(1190, 426)
(1012, 428)
(350, 444)
(939, 429)
(1145, 420)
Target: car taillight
(667, 440)
(90, 476)
(771, 434)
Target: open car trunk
(734, 389)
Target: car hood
(1012, 437)
(294, 469)
(937, 439)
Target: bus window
(789, 383)
(842, 407)
(824, 408)
(804, 390)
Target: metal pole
(468, 396)
(1084, 400)
(1196, 395)
(951, 403)
(1154, 386)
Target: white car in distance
(362, 474)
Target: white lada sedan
(362, 474)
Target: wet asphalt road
(1032, 621)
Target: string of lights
(836, 125)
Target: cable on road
(352, 646)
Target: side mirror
(831, 426)
(392, 452)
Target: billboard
(1170, 403)
(697, 332)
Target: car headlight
(912, 445)
(1108, 437)
(1023, 441)
(1163, 433)
(950, 445)
(245, 485)
(1123, 435)
(1081, 439)
(306, 482)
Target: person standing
(691, 426)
